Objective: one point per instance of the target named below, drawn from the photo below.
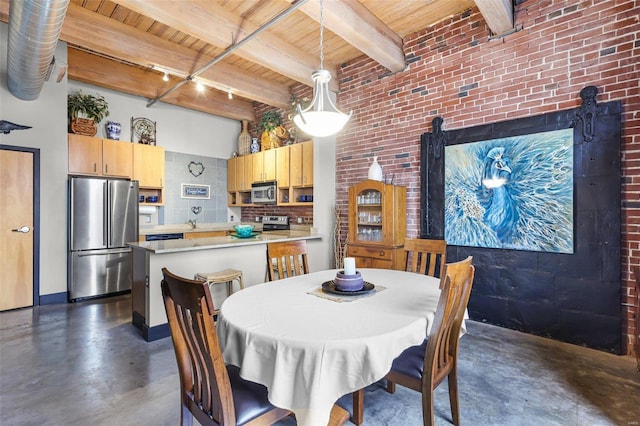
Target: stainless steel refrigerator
(103, 217)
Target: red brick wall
(456, 72)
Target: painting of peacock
(514, 192)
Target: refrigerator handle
(105, 214)
(71, 220)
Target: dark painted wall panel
(571, 297)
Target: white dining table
(310, 348)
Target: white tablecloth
(309, 351)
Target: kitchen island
(189, 256)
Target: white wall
(47, 117)
(177, 129)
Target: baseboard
(150, 333)
(52, 299)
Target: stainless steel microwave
(263, 193)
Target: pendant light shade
(321, 118)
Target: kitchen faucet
(192, 222)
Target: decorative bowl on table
(244, 231)
(346, 282)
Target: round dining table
(309, 346)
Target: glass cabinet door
(369, 215)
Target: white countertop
(172, 246)
(185, 228)
(201, 227)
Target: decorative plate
(330, 287)
(143, 131)
(235, 235)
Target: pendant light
(321, 118)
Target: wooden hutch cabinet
(377, 224)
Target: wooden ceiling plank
(498, 14)
(355, 24)
(113, 75)
(208, 21)
(95, 32)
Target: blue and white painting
(511, 193)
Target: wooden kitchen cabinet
(290, 166)
(244, 173)
(301, 164)
(232, 166)
(264, 166)
(377, 224)
(148, 165)
(99, 157)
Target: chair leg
(427, 409)
(453, 396)
(338, 416)
(391, 386)
(358, 407)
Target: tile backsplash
(214, 173)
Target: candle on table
(350, 265)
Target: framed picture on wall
(190, 190)
(514, 192)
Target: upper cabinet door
(148, 165)
(85, 155)
(117, 158)
(282, 166)
(301, 161)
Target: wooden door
(85, 155)
(16, 224)
(117, 158)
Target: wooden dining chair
(210, 391)
(438, 354)
(287, 259)
(423, 367)
(425, 256)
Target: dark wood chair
(636, 273)
(425, 256)
(287, 259)
(210, 391)
(438, 354)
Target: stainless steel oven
(263, 193)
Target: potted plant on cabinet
(85, 111)
(273, 132)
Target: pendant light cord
(321, 34)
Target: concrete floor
(84, 363)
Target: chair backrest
(442, 346)
(425, 256)
(204, 381)
(287, 258)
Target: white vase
(375, 171)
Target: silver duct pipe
(34, 29)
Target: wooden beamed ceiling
(125, 45)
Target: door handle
(23, 229)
